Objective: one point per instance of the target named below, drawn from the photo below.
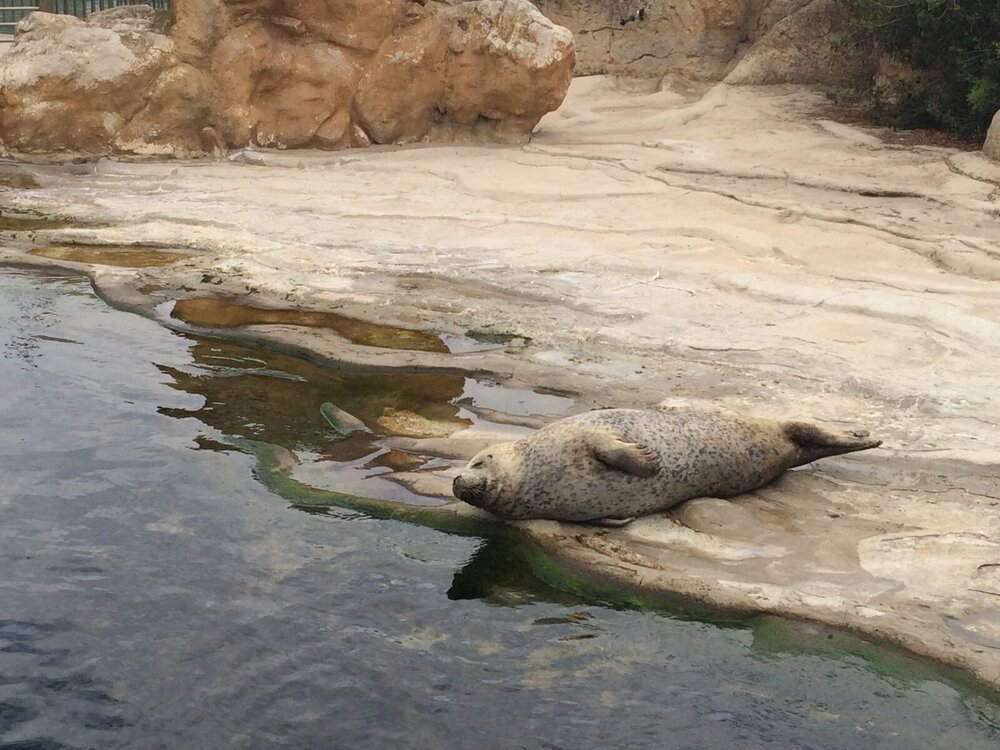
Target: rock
(212, 143)
(280, 73)
(198, 25)
(276, 92)
(248, 156)
(356, 24)
(17, 177)
(791, 41)
(807, 46)
(70, 85)
(991, 147)
(134, 19)
(486, 70)
(172, 120)
(411, 425)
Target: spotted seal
(614, 464)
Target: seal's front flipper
(629, 458)
(815, 442)
(612, 523)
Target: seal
(612, 465)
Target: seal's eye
(478, 464)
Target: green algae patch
(123, 256)
(208, 312)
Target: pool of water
(217, 312)
(123, 256)
(156, 595)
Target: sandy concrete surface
(658, 241)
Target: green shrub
(957, 42)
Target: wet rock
(412, 425)
(302, 73)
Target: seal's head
(491, 480)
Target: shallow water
(214, 312)
(156, 595)
(208, 312)
(123, 256)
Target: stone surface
(787, 41)
(650, 248)
(317, 73)
(53, 61)
(992, 145)
(274, 92)
(440, 71)
(809, 45)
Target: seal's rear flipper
(615, 453)
(815, 442)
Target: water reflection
(499, 573)
(261, 395)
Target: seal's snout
(466, 491)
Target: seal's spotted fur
(620, 463)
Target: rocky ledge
(280, 73)
(813, 271)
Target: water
(211, 312)
(123, 256)
(156, 595)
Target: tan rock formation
(444, 71)
(276, 92)
(810, 45)
(991, 147)
(792, 41)
(281, 73)
(69, 85)
(356, 24)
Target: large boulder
(70, 85)
(484, 70)
(281, 73)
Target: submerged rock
(300, 73)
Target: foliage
(956, 43)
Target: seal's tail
(815, 442)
